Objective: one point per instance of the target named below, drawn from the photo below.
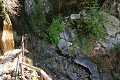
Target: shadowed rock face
(46, 56)
(59, 67)
(89, 65)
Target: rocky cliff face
(48, 57)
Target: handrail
(43, 76)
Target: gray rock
(62, 78)
(113, 29)
(63, 35)
(73, 76)
(112, 26)
(107, 44)
(95, 76)
(64, 45)
(75, 16)
(29, 6)
(111, 41)
(83, 13)
(110, 29)
(62, 64)
(118, 8)
(89, 65)
(67, 35)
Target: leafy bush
(86, 45)
(90, 27)
(55, 28)
(116, 74)
(1, 1)
(37, 20)
(116, 49)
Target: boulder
(112, 26)
(83, 13)
(92, 67)
(64, 46)
(75, 16)
(73, 76)
(113, 29)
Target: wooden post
(22, 68)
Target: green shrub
(116, 49)
(1, 1)
(116, 72)
(85, 45)
(90, 28)
(55, 28)
(36, 19)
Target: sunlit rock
(75, 16)
(64, 46)
(83, 13)
(112, 24)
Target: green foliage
(1, 8)
(86, 45)
(116, 70)
(1, 1)
(116, 73)
(116, 49)
(67, 7)
(38, 13)
(90, 27)
(37, 20)
(55, 28)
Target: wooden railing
(43, 75)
